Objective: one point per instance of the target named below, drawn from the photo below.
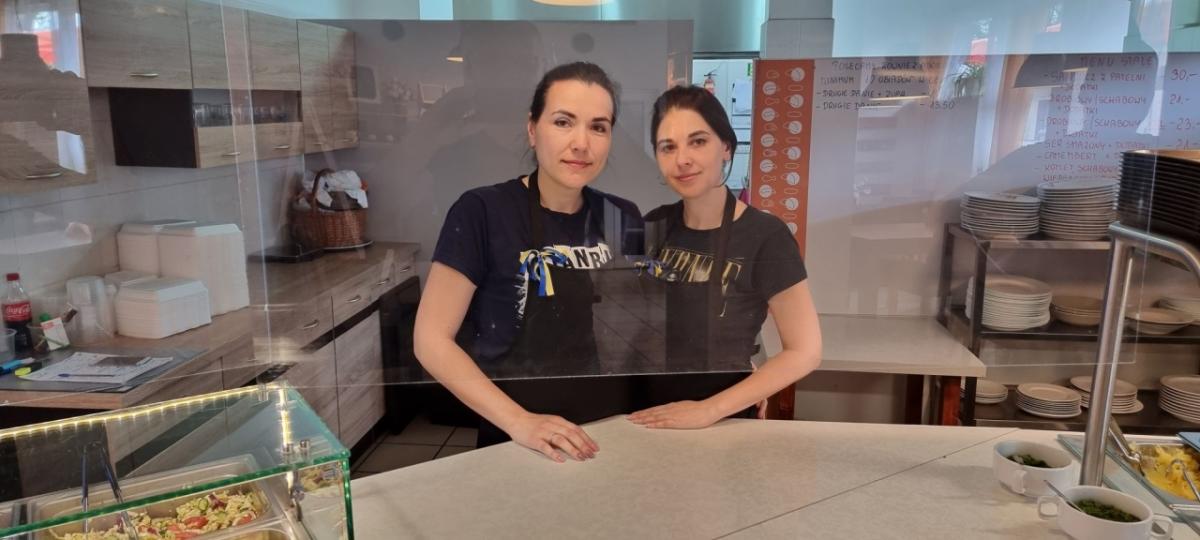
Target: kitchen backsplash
(52, 236)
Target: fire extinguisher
(709, 83)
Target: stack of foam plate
(1003, 215)
(1157, 321)
(1186, 304)
(1048, 400)
(1181, 397)
(1078, 209)
(1125, 399)
(990, 392)
(1012, 303)
(1077, 310)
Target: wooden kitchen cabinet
(314, 376)
(342, 88)
(136, 43)
(314, 86)
(359, 379)
(45, 114)
(212, 30)
(274, 52)
(327, 94)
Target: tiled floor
(421, 441)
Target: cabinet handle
(405, 269)
(348, 140)
(310, 325)
(144, 74)
(231, 154)
(43, 176)
(384, 281)
(357, 298)
(283, 147)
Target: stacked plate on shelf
(1157, 321)
(1048, 400)
(1005, 215)
(989, 392)
(1077, 209)
(1077, 310)
(1125, 399)
(1185, 304)
(1181, 397)
(1159, 192)
(1012, 303)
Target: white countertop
(746, 478)
(893, 345)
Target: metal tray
(277, 529)
(64, 503)
(1145, 444)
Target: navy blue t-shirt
(487, 230)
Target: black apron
(556, 338)
(694, 315)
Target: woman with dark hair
(713, 321)
(511, 271)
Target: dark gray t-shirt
(763, 260)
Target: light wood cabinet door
(274, 52)
(213, 30)
(314, 376)
(359, 379)
(342, 88)
(136, 43)
(45, 113)
(314, 86)
(280, 139)
(221, 145)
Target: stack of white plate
(1078, 209)
(993, 215)
(989, 392)
(1048, 400)
(1077, 310)
(1125, 399)
(1012, 303)
(1181, 397)
(1157, 321)
(1186, 304)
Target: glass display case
(255, 462)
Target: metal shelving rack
(1151, 420)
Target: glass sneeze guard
(263, 438)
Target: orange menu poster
(780, 141)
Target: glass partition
(216, 196)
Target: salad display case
(251, 463)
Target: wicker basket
(315, 227)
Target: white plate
(1077, 185)
(1132, 409)
(992, 388)
(1044, 414)
(1182, 415)
(1078, 304)
(1180, 400)
(1184, 384)
(1003, 198)
(1161, 316)
(1017, 287)
(1049, 392)
(1122, 388)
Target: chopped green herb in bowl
(1106, 511)
(1028, 460)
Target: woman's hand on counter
(678, 415)
(548, 434)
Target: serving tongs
(1125, 449)
(111, 476)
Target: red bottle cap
(13, 276)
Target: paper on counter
(83, 367)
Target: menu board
(781, 135)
